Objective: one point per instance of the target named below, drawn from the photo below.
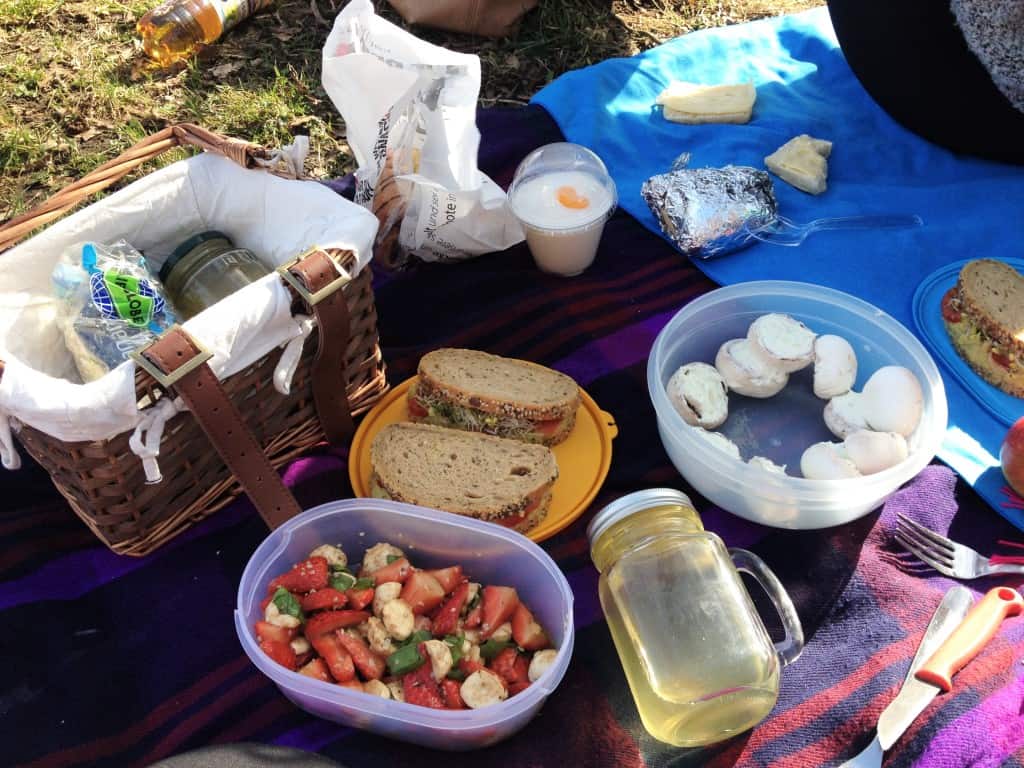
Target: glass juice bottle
(176, 28)
(698, 659)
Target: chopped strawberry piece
(368, 663)
(469, 667)
(449, 578)
(511, 666)
(282, 653)
(519, 687)
(324, 599)
(317, 669)
(474, 617)
(337, 658)
(420, 687)
(398, 570)
(329, 621)
(528, 634)
(499, 603)
(359, 598)
(447, 620)
(423, 623)
(451, 692)
(267, 631)
(304, 576)
(422, 592)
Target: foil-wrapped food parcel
(709, 212)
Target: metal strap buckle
(312, 299)
(168, 380)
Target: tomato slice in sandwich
(533, 502)
(416, 409)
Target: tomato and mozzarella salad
(387, 628)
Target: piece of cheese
(801, 161)
(692, 103)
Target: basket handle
(244, 153)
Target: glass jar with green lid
(697, 656)
(206, 268)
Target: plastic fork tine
(923, 556)
(928, 533)
(925, 545)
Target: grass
(77, 90)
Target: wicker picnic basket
(104, 481)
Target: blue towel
(971, 208)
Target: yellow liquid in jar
(700, 667)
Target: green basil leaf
(392, 558)
(404, 660)
(493, 647)
(287, 603)
(341, 580)
(366, 582)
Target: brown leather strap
(223, 424)
(317, 271)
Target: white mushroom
(698, 392)
(483, 688)
(767, 465)
(893, 400)
(844, 415)
(874, 451)
(540, 662)
(835, 366)
(746, 372)
(827, 461)
(377, 688)
(782, 341)
(720, 441)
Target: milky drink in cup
(562, 195)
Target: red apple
(1012, 457)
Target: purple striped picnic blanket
(114, 661)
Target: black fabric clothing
(912, 58)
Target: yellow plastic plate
(583, 458)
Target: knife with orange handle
(970, 637)
(936, 674)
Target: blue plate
(928, 318)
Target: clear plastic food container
(487, 553)
(781, 427)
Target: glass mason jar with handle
(697, 656)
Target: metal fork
(945, 555)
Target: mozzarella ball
(398, 618)
(384, 594)
(440, 656)
(844, 415)
(376, 557)
(827, 461)
(698, 393)
(874, 451)
(782, 341)
(377, 688)
(540, 662)
(747, 373)
(835, 366)
(333, 555)
(893, 400)
(482, 688)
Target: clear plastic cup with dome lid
(562, 195)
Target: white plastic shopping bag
(410, 110)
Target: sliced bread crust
(499, 385)
(992, 293)
(462, 472)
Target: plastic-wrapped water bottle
(176, 28)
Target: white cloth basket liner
(277, 219)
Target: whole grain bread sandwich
(984, 316)
(478, 392)
(480, 476)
